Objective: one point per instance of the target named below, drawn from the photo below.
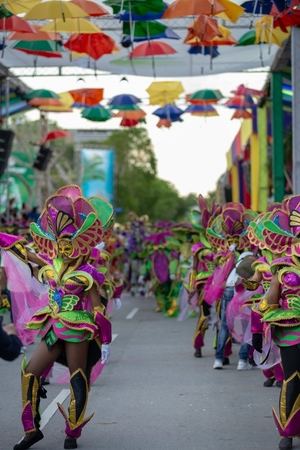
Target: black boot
(198, 353)
(70, 443)
(286, 443)
(29, 440)
(226, 361)
(269, 382)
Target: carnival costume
(68, 229)
(278, 231)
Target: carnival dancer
(279, 232)
(73, 325)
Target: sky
(190, 154)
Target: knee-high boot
(75, 421)
(288, 422)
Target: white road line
(114, 336)
(52, 408)
(132, 313)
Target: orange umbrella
(241, 114)
(182, 8)
(164, 123)
(203, 28)
(36, 35)
(37, 102)
(87, 96)
(92, 8)
(132, 115)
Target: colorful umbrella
(241, 114)
(36, 46)
(142, 31)
(55, 9)
(202, 110)
(55, 134)
(72, 26)
(88, 96)
(203, 29)
(66, 101)
(248, 38)
(205, 96)
(139, 7)
(18, 6)
(96, 114)
(15, 23)
(170, 112)
(123, 100)
(164, 92)
(92, 8)
(41, 93)
(38, 35)
(240, 102)
(37, 102)
(152, 48)
(164, 123)
(95, 45)
(182, 8)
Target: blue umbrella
(200, 108)
(211, 51)
(124, 100)
(127, 17)
(258, 6)
(169, 112)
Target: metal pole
(277, 131)
(7, 98)
(296, 108)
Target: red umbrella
(87, 96)
(129, 123)
(152, 48)
(92, 8)
(15, 23)
(243, 90)
(95, 44)
(288, 18)
(55, 134)
(241, 114)
(40, 53)
(37, 35)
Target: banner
(97, 173)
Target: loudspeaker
(6, 142)
(43, 157)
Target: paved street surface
(154, 395)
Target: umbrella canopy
(55, 134)
(18, 6)
(95, 45)
(164, 123)
(88, 97)
(96, 114)
(205, 96)
(41, 93)
(241, 114)
(290, 17)
(92, 8)
(267, 34)
(37, 35)
(129, 123)
(249, 38)
(139, 7)
(44, 46)
(202, 110)
(152, 48)
(170, 112)
(123, 100)
(72, 26)
(15, 23)
(257, 6)
(147, 30)
(182, 8)
(37, 102)
(232, 11)
(204, 29)
(55, 9)
(164, 92)
(240, 102)
(137, 114)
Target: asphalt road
(154, 395)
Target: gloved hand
(117, 303)
(105, 353)
(257, 341)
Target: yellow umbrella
(164, 92)
(232, 11)
(66, 101)
(55, 9)
(267, 34)
(71, 26)
(18, 6)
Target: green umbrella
(248, 38)
(96, 114)
(4, 12)
(206, 95)
(40, 46)
(41, 93)
(144, 29)
(140, 7)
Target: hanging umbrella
(267, 34)
(163, 92)
(243, 90)
(257, 6)
(43, 46)
(41, 93)
(152, 48)
(37, 35)
(137, 114)
(182, 8)
(55, 134)
(55, 9)
(123, 100)
(39, 53)
(225, 38)
(204, 29)
(66, 101)
(205, 96)
(211, 51)
(92, 8)
(139, 7)
(15, 23)
(72, 26)
(96, 114)
(170, 112)
(248, 38)
(164, 123)
(202, 110)
(87, 97)
(142, 31)
(232, 11)
(240, 102)
(44, 102)
(290, 17)
(129, 123)
(241, 114)
(18, 6)
(95, 45)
